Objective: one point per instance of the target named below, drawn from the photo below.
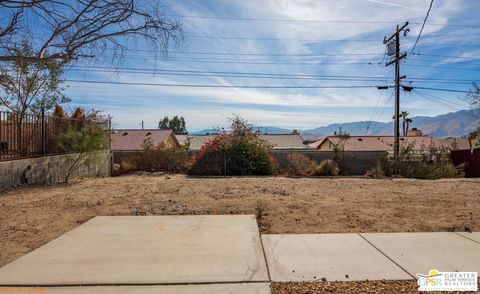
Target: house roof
(285, 141)
(379, 143)
(459, 143)
(183, 139)
(131, 140)
(279, 141)
(315, 144)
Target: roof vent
(124, 134)
(148, 134)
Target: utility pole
(395, 40)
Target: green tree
(406, 121)
(31, 86)
(176, 124)
(27, 87)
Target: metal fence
(34, 135)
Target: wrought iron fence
(33, 135)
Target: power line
(446, 56)
(254, 74)
(444, 90)
(441, 99)
(373, 113)
(280, 39)
(219, 86)
(375, 123)
(229, 72)
(378, 101)
(438, 102)
(445, 67)
(269, 54)
(232, 61)
(423, 25)
(314, 20)
(150, 72)
(279, 19)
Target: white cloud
(206, 107)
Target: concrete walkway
(148, 250)
(225, 254)
(372, 256)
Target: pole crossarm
(395, 60)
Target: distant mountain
(203, 132)
(262, 129)
(274, 130)
(453, 124)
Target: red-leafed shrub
(241, 151)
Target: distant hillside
(266, 129)
(453, 124)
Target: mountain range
(453, 124)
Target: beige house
(278, 141)
(132, 140)
(374, 143)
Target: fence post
(225, 164)
(42, 141)
(109, 132)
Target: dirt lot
(32, 216)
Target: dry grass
(32, 216)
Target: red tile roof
(132, 140)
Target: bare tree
(67, 30)
(473, 97)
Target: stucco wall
(51, 169)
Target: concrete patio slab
(421, 252)
(129, 250)
(245, 288)
(343, 257)
(474, 236)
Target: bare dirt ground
(33, 216)
(357, 287)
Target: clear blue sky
(291, 47)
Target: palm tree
(406, 122)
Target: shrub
(432, 162)
(327, 167)
(239, 152)
(375, 172)
(159, 158)
(81, 144)
(300, 164)
(340, 155)
(126, 166)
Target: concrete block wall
(51, 169)
(359, 161)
